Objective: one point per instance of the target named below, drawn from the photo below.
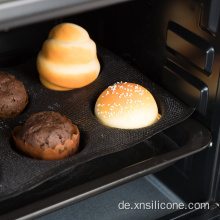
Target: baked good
(48, 136)
(13, 96)
(126, 105)
(68, 58)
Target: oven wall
(218, 191)
(167, 41)
(19, 44)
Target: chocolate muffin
(13, 96)
(48, 136)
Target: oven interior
(173, 43)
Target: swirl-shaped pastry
(68, 58)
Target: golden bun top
(126, 105)
(68, 32)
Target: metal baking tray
(101, 174)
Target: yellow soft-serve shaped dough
(68, 58)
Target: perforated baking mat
(19, 173)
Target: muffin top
(46, 129)
(13, 95)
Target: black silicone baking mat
(19, 173)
